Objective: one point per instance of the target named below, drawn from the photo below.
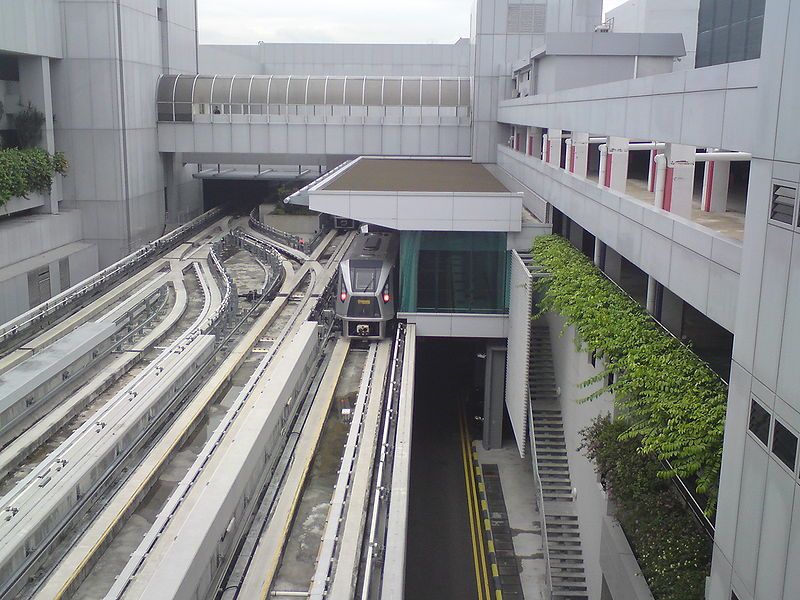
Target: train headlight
(386, 296)
(343, 296)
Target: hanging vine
(673, 402)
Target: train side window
(30, 401)
(65, 376)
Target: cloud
(367, 21)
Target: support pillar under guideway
(678, 180)
(579, 162)
(716, 178)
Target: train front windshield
(365, 279)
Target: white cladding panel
(519, 333)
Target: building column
(616, 171)
(554, 147)
(494, 397)
(651, 171)
(678, 180)
(568, 156)
(535, 141)
(598, 253)
(715, 185)
(34, 87)
(580, 154)
(652, 287)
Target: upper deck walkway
(270, 119)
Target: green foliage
(28, 121)
(673, 402)
(28, 170)
(674, 555)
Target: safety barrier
(287, 239)
(39, 314)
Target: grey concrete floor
(519, 492)
(298, 562)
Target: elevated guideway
(316, 120)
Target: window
(759, 422)
(784, 444)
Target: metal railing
(264, 251)
(287, 239)
(39, 314)
(540, 502)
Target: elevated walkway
(267, 119)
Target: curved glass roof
(353, 91)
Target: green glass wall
(465, 272)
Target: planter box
(620, 568)
(18, 203)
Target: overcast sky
(382, 21)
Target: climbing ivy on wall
(673, 402)
(23, 171)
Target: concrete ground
(519, 492)
(730, 223)
(299, 559)
(439, 559)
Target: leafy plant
(28, 121)
(673, 402)
(674, 555)
(23, 171)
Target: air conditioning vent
(784, 198)
(526, 18)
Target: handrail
(88, 285)
(540, 502)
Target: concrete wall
(656, 16)
(35, 242)
(31, 27)
(758, 520)
(103, 94)
(494, 48)
(710, 107)
(571, 369)
(313, 139)
(437, 60)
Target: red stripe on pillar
(530, 145)
(668, 188)
(572, 159)
(547, 152)
(607, 182)
(709, 187)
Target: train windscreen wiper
(370, 284)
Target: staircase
(561, 521)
